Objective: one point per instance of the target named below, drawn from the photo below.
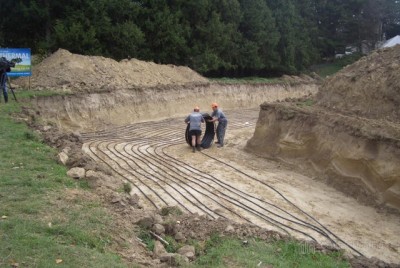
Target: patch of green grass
(247, 80)
(307, 102)
(165, 211)
(331, 68)
(147, 239)
(325, 70)
(127, 187)
(173, 245)
(228, 252)
(30, 94)
(38, 223)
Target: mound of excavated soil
(77, 73)
(369, 88)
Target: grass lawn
(43, 220)
(328, 69)
(247, 80)
(228, 252)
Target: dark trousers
(3, 85)
(221, 128)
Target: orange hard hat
(214, 105)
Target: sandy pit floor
(231, 183)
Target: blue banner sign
(22, 59)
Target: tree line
(213, 37)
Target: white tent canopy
(392, 42)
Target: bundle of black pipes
(209, 133)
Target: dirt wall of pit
(96, 111)
(357, 156)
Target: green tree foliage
(166, 32)
(76, 34)
(308, 52)
(22, 22)
(121, 37)
(215, 47)
(261, 35)
(391, 19)
(215, 40)
(378, 17)
(288, 25)
(214, 37)
(329, 19)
